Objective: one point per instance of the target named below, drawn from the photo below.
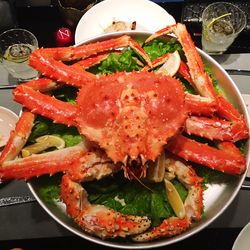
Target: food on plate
(129, 131)
(120, 26)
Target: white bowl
(242, 242)
(148, 15)
(8, 120)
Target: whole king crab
(129, 119)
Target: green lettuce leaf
(131, 197)
(159, 47)
(124, 62)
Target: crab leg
(234, 129)
(218, 159)
(42, 84)
(200, 78)
(193, 204)
(157, 62)
(49, 61)
(98, 219)
(168, 228)
(199, 105)
(120, 42)
(40, 164)
(91, 61)
(215, 129)
(18, 137)
(79, 163)
(229, 112)
(57, 70)
(39, 103)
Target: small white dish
(242, 242)
(8, 121)
(148, 16)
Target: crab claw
(98, 219)
(168, 228)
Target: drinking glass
(221, 24)
(16, 46)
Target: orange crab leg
(157, 62)
(120, 42)
(40, 164)
(199, 105)
(57, 70)
(42, 84)
(200, 78)
(168, 228)
(228, 147)
(200, 153)
(49, 61)
(228, 111)
(91, 61)
(18, 137)
(98, 219)
(39, 103)
(234, 129)
(215, 129)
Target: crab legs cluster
(128, 119)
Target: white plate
(8, 121)
(242, 242)
(148, 15)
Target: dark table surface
(43, 22)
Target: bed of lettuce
(128, 197)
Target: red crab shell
(131, 114)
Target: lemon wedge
(43, 143)
(217, 18)
(174, 199)
(171, 66)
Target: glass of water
(16, 45)
(221, 24)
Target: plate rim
(10, 114)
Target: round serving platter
(217, 197)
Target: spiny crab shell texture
(131, 114)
